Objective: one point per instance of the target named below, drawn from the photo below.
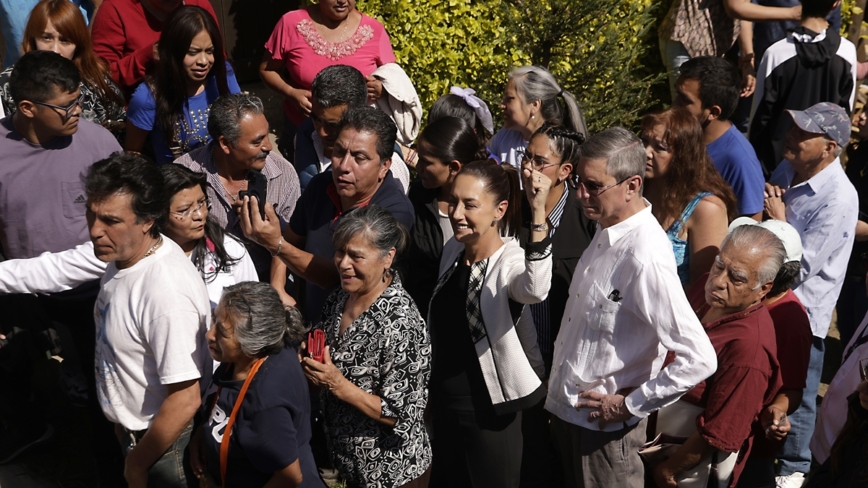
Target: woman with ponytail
(532, 97)
(259, 389)
(445, 145)
(486, 365)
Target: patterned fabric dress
(386, 352)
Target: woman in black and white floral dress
(376, 365)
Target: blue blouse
(192, 128)
(679, 246)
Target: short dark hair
(816, 8)
(719, 82)
(369, 119)
(134, 175)
(225, 114)
(38, 75)
(339, 85)
(787, 275)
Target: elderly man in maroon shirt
(729, 305)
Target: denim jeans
(796, 453)
(172, 470)
(674, 55)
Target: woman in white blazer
(486, 364)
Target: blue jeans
(795, 456)
(674, 55)
(172, 470)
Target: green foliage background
(603, 51)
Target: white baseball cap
(788, 235)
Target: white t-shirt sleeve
(174, 339)
(51, 272)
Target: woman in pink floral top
(307, 40)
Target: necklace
(153, 248)
(235, 197)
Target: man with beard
(239, 143)
(708, 88)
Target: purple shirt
(42, 200)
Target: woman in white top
(486, 365)
(532, 96)
(220, 258)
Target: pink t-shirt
(305, 53)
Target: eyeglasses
(595, 189)
(537, 163)
(190, 211)
(67, 109)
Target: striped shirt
(542, 311)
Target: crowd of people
(399, 302)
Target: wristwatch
(539, 227)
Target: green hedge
(604, 51)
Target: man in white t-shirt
(151, 316)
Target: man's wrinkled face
(733, 284)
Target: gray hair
(226, 113)
(622, 150)
(377, 224)
(757, 239)
(262, 325)
(534, 83)
(339, 85)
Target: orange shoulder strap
(224, 444)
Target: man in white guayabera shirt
(625, 310)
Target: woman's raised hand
(536, 186)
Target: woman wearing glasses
(553, 151)
(57, 25)
(688, 196)
(532, 97)
(168, 114)
(486, 366)
(444, 147)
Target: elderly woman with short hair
(257, 408)
(376, 362)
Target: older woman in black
(376, 365)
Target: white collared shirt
(605, 345)
(824, 210)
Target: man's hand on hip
(605, 408)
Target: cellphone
(316, 344)
(257, 185)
